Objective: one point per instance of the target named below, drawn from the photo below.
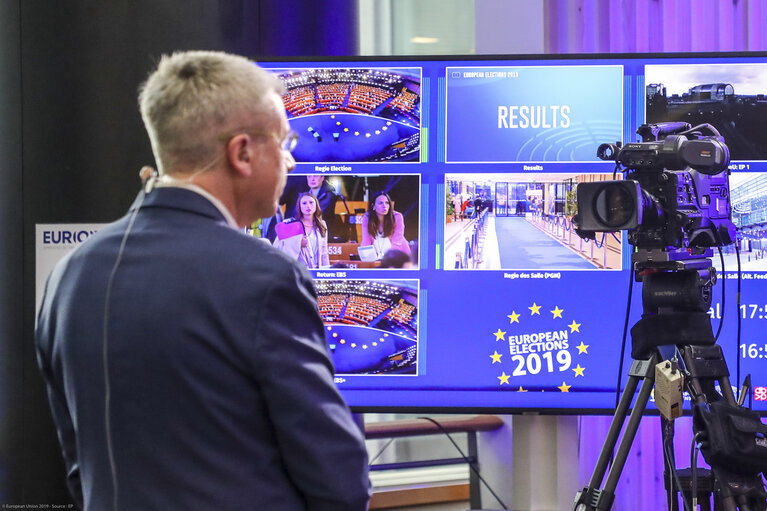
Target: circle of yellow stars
(535, 309)
(367, 135)
(354, 344)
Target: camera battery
(669, 383)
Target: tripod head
(676, 296)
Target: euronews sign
(52, 243)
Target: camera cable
(710, 127)
(616, 169)
(694, 448)
(740, 317)
(740, 398)
(625, 323)
(668, 451)
(623, 349)
(625, 336)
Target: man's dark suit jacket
(221, 384)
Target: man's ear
(239, 153)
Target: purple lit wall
(641, 483)
(653, 26)
(638, 26)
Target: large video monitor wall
(453, 277)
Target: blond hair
(195, 97)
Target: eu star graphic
(539, 349)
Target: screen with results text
(455, 279)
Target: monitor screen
(454, 278)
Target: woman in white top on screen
(382, 227)
(311, 248)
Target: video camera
(676, 195)
(675, 204)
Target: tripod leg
(591, 497)
(744, 504)
(629, 434)
(738, 492)
(612, 434)
(726, 389)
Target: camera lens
(614, 205)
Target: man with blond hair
(186, 362)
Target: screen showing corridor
(447, 270)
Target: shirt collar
(166, 181)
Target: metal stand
(675, 297)
(734, 492)
(591, 497)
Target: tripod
(675, 298)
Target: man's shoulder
(205, 239)
(249, 250)
(246, 242)
(103, 235)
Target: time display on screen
(753, 311)
(753, 351)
